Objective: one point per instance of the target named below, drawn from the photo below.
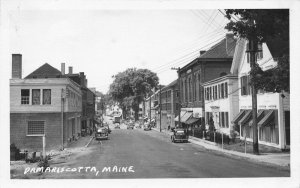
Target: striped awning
(260, 115)
(246, 118)
(182, 113)
(186, 117)
(269, 117)
(238, 117)
(192, 120)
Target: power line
(180, 58)
(202, 48)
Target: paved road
(152, 155)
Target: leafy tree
(131, 86)
(270, 26)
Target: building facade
(221, 102)
(273, 114)
(211, 64)
(42, 105)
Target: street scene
(132, 94)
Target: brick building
(88, 100)
(43, 104)
(211, 64)
(169, 105)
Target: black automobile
(101, 133)
(179, 135)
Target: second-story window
(25, 96)
(36, 97)
(46, 96)
(226, 90)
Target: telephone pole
(252, 51)
(160, 106)
(179, 95)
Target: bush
(44, 162)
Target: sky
(102, 43)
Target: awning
(238, 117)
(192, 120)
(182, 113)
(186, 117)
(267, 119)
(260, 115)
(246, 117)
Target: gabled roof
(223, 49)
(170, 85)
(45, 71)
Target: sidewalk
(279, 159)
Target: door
(287, 127)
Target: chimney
(82, 77)
(229, 39)
(85, 82)
(62, 70)
(202, 52)
(70, 70)
(16, 66)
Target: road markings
(181, 149)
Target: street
(150, 154)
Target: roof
(45, 71)
(170, 85)
(223, 49)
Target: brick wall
(18, 130)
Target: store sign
(197, 112)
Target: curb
(214, 147)
(89, 142)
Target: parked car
(147, 126)
(179, 135)
(130, 126)
(101, 133)
(117, 126)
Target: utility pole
(179, 95)
(150, 109)
(252, 50)
(160, 107)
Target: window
(226, 90)
(46, 96)
(245, 85)
(222, 90)
(259, 54)
(226, 120)
(36, 128)
(219, 91)
(24, 96)
(36, 95)
(216, 92)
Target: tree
(131, 86)
(258, 26)
(272, 27)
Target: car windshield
(180, 132)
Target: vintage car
(117, 126)
(101, 133)
(179, 135)
(147, 126)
